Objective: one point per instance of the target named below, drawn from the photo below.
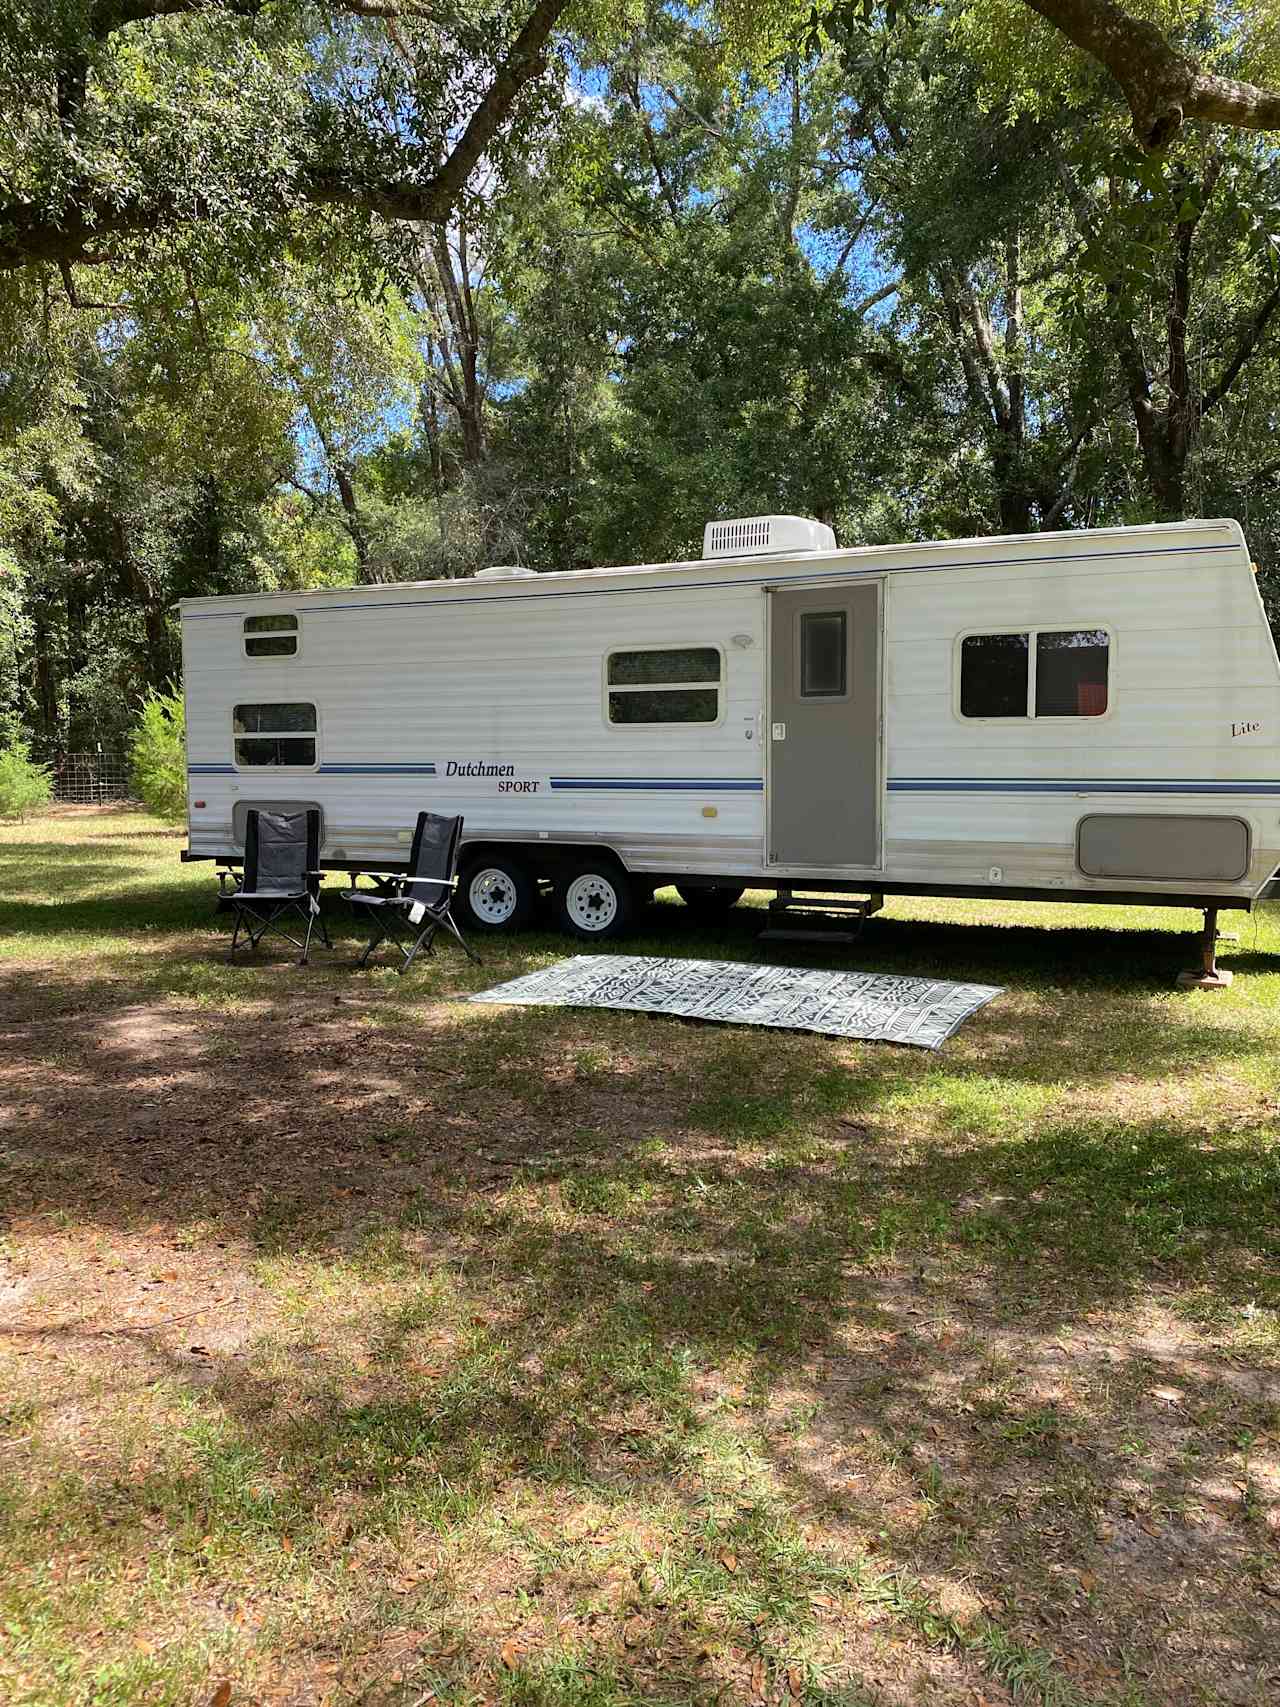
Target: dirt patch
(357, 1346)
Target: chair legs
(384, 924)
(446, 919)
(263, 920)
(379, 933)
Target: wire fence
(87, 779)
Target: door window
(824, 654)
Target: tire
(496, 893)
(712, 900)
(595, 900)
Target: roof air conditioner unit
(503, 572)
(758, 536)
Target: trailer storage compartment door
(824, 727)
(1163, 847)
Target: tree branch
(1180, 407)
(1253, 335)
(30, 233)
(1016, 387)
(74, 298)
(984, 340)
(524, 61)
(651, 145)
(111, 15)
(1072, 458)
(1162, 86)
(955, 305)
(890, 289)
(1124, 339)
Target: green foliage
(1024, 61)
(898, 266)
(158, 754)
(24, 784)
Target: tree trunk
(159, 665)
(429, 415)
(471, 415)
(355, 522)
(365, 573)
(460, 344)
(211, 503)
(44, 681)
(77, 651)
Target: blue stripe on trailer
(376, 770)
(321, 770)
(682, 784)
(1068, 785)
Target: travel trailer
(1091, 716)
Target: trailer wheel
(497, 893)
(710, 900)
(595, 900)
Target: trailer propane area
(1089, 715)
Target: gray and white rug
(871, 1005)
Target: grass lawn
(360, 1346)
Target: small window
(274, 636)
(275, 735)
(824, 653)
(665, 685)
(993, 675)
(1071, 672)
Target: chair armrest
(372, 871)
(440, 882)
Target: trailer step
(818, 918)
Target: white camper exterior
(1089, 714)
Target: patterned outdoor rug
(924, 1011)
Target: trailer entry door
(824, 727)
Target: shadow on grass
(616, 1240)
(1014, 955)
(581, 1356)
(1017, 955)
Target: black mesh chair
(281, 879)
(408, 909)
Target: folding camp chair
(281, 877)
(410, 907)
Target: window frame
(275, 735)
(720, 684)
(1032, 630)
(271, 657)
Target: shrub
(158, 755)
(23, 782)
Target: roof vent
(504, 572)
(755, 536)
